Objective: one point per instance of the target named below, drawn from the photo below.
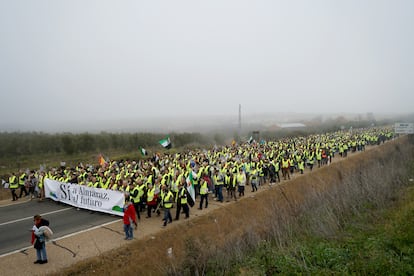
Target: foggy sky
(84, 60)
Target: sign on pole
(404, 128)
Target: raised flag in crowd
(143, 151)
(101, 160)
(166, 143)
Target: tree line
(30, 143)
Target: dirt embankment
(231, 224)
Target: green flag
(143, 151)
(166, 143)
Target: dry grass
(317, 204)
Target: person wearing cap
(129, 218)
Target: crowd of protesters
(222, 172)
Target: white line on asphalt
(86, 230)
(48, 213)
(60, 238)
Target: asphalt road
(16, 222)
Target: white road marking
(86, 230)
(48, 213)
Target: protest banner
(90, 198)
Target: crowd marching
(223, 172)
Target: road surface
(16, 221)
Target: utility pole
(239, 119)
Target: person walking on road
(151, 200)
(167, 204)
(14, 185)
(129, 218)
(39, 239)
(285, 167)
(136, 198)
(181, 199)
(241, 182)
(254, 178)
(22, 184)
(203, 193)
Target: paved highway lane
(16, 221)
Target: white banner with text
(96, 199)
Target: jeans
(196, 190)
(137, 211)
(241, 190)
(167, 216)
(254, 185)
(129, 232)
(203, 197)
(41, 253)
(220, 192)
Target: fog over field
(183, 65)
(205, 124)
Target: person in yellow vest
(134, 195)
(318, 155)
(203, 193)
(241, 181)
(301, 166)
(341, 149)
(345, 146)
(354, 145)
(151, 199)
(254, 177)
(114, 184)
(285, 167)
(22, 184)
(181, 200)
(41, 184)
(167, 203)
(311, 160)
(218, 179)
(13, 186)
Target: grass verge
(378, 242)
